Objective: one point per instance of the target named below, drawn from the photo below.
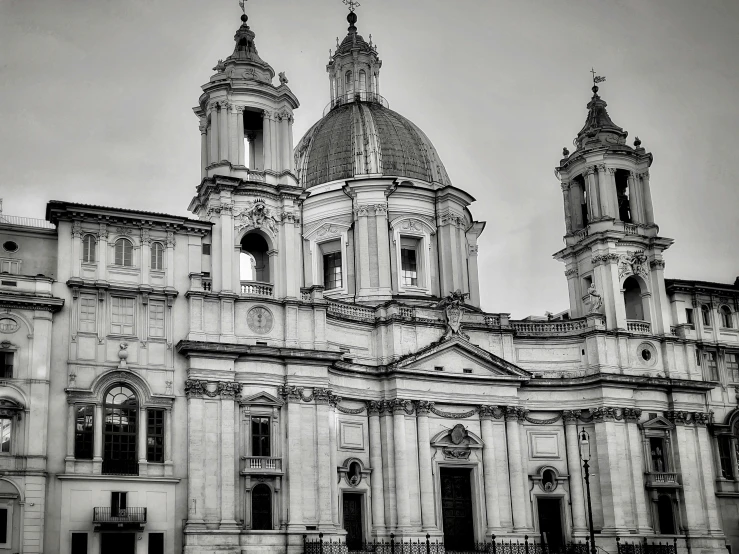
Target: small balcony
(261, 465)
(257, 288)
(118, 518)
(663, 479)
(638, 326)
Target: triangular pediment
(262, 399)
(658, 422)
(459, 356)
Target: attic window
(439, 368)
(467, 370)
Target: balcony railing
(120, 467)
(351, 311)
(349, 97)
(638, 326)
(26, 221)
(119, 517)
(257, 288)
(262, 464)
(663, 479)
(571, 326)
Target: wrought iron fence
(646, 547)
(425, 545)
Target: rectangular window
(156, 543)
(117, 503)
(6, 430)
(6, 365)
(409, 267)
(732, 366)
(155, 436)
(79, 543)
(711, 366)
(88, 249)
(724, 452)
(332, 271)
(84, 431)
(4, 527)
(156, 319)
(10, 266)
(658, 454)
(122, 315)
(206, 249)
(260, 436)
(88, 307)
(689, 316)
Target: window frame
(123, 241)
(5, 354)
(723, 456)
(710, 364)
(122, 331)
(252, 445)
(90, 323)
(320, 236)
(725, 317)
(72, 549)
(108, 445)
(156, 258)
(327, 277)
(11, 429)
(705, 315)
(732, 366)
(270, 504)
(415, 248)
(7, 504)
(154, 451)
(89, 252)
(419, 230)
(152, 312)
(149, 544)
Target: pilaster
(377, 480)
(574, 468)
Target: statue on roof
(453, 309)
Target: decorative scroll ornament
(453, 309)
(453, 415)
(632, 263)
(196, 388)
(257, 215)
(595, 300)
(457, 453)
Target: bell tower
(613, 252)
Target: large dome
(366, 138)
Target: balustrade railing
(119, 515)
(581, 234)
(351, 311)
(646, 548)
(631, 229)
(257, 288)
(262, 463)
(407, 312)
(359, 96)
(638, 326)
(549, 327)
(26, 221)
(663, 477)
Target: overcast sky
(96, 98)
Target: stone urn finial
(122, 354)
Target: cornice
(190, 348)
(28, 302)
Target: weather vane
(353, 4)
(241, 4)
(596, 78)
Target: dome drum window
(412, 253)
(328, 257)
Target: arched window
(706, 315)
(157, 255)
(362, 81)
(123, 252)
(666, 518)
(725, 313)
(88, 249)
(633, 299)
(348, 82)
(121, 421)
(261, 507)
(255, 246)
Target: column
(223, 131)
(603, 194)
(102, 245)
(203, 146)
(376, 483)
(285, 153)
(388, 462)
(240, 160)
(294, 467)
(613, 193)
(213, 134)
(323, 460)
(474, 273)
(228, 458)
(593, 203)
(251, 136)
(195, 454)
(708, 476)
(76, 248)
(97, 445)
(71, 426)
(233, 145)
(401, 465)
(332, 455)
(428, 517)
(267, 139)
(145, 256)
(519, 491)
(647, 196)
(574, 468)
(492, 506)
(142, 440)
(641, 515)
(168, 436)
(568, 213)
(227, 244)
(502, 477)
(383, 248)
(290, 158)
(609, 453)
(635, 204)
(575, 198)
(363, 246)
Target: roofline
(55, 208)
(691, 285)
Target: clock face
(259, 320)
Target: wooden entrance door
(117, 543)
(353, 520)
(550, 523)
(456, 508)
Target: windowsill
(127, 267)
(117, 337)
(414, 290)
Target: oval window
(10, 246)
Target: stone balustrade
(257, 288)
(572, 326)
(351, 311)
(262, 464)
(638, 326)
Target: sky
(96, 102)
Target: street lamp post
(584, 440)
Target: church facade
(308, 352)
